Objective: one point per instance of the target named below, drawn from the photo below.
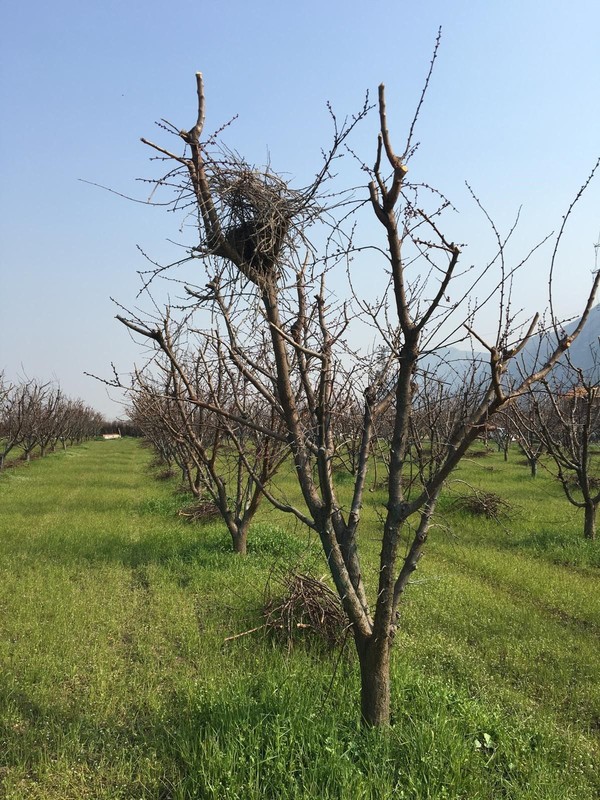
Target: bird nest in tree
(257, 213)
(304, 605)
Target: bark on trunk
(590, 522)
(374, 659)
(239, 538)
(533, 465)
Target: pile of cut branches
(472, 453)
(160, 469)
(307, 605)
(573, 482)
(200, 511)
(483, 504)
(165, 474)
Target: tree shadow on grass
(157, 537)
(148, 544)
(556, 547)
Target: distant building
(593, 392)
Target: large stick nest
(259, 214)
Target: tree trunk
(589, 530)
(374, 659)
(533, 466)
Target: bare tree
(524, 416)
(29, 415)
(79, 422)
(197, 417)
(11, 421)
(49, 419)
(147, 412)
(566, 419)
(254, 240)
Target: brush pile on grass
(304, 605)
(483, 504)
(201, 511)
(574, 483)
(165, 474)
(159, 468)
(479, 453)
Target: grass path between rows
(116, 680)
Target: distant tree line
(36, 418)
(122, 426)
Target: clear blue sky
(514, 108)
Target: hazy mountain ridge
(585, 350)
(584, 353)
(452, 364)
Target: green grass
(116, 680)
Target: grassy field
(116, 680)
